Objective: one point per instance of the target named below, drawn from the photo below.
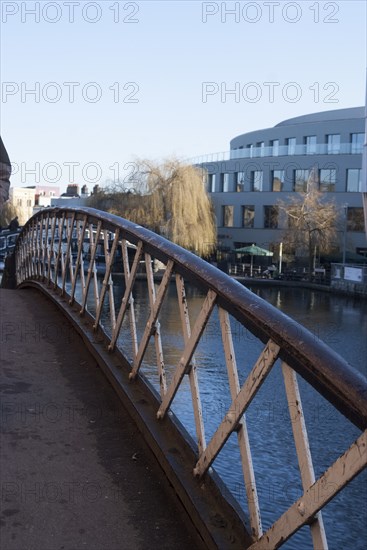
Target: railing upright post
(69, 232)
(59, 249)
(79, 260)
(92, 266)
(303, 450)
(242, 433)
(107, 280)
(51, 251)
(127, 298)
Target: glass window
(333, 144)
(327, 180)
(354, 180)
(224, 182)
(311, 142)
(291, 144)
(300, 180)
(260, 148)
(275, 145)
(355, 219)
(228, 215)
(250, 149)
(248, 216)
(19, 202)
(240, 181)
(357, 141)
(257, 180)
(211, 178)
(277, 180)
(271, 214)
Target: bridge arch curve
(71, 254)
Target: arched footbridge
(102, 271)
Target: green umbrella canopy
(254, 250)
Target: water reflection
(340, 321)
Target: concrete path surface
(75, 473)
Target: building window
(260, 148)
(357, 141)
(224, 182)
(240, 181)
(354, 180)
(355, 218)
(300, 180)
(275, 147)
(277, 180)
(239, 152)
(257, 180)
(327, 180)
(19, 202)
(333, 144)
(248, 216)
(291, 144)
(211, 178)
(310, 142)
(227, 215)
(271, 214)
(29, 202)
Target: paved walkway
(75, 473)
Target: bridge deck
(75, 473)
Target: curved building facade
(265, 166)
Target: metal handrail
(346, 148)
(40, 255)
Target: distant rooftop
(337, 114)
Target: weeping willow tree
(168, 198)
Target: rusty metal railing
(65, 249)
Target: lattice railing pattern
(62, 248)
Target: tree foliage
(313, 221)
(7, 213)
(168, 198)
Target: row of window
(254, 180)
(355, 217)
(27, 202)
(309, 146)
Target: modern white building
(364, 167)
(264, 166)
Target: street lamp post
(345, 206)
(280, 256)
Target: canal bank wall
(340, 287)
(344, 288)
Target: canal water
(339, 321)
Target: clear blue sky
(168, 53)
